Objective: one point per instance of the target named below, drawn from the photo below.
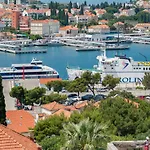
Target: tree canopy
(146, 80)
(2, 105)
(110, 82)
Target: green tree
(143, 17)
(18, 92)
(2, 105)
(34, 95)
(107, 16)
(56, 85)
(84, 136)
(81, 10)
(48, 127)
(146, 81)
(110, 82)
(90, 80)
(111, 10)
(54, 142)
(77, 86)
(69, 7)
(53, 97)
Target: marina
(62, 56)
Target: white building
(127, 12)
(44, 27)
(33, 12)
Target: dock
(22, 51)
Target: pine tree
(69, 7)
(81, 10)
(2, 105)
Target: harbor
(63, 56)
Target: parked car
(101, 89)
(87, 97)
(73, 97)
(99, 97)
(70, 102)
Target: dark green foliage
(52, 143)
(34, 96)
(48, 127)
(57, 85)
(77, 86)
(111, 10)
(2, 105)
(69, 7)
(146, 81)
(90, 80)
(143, 17)
(18, 92)
(81, 10)
(53, 97)
(108, 16)
(110, 82)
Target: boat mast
(118, 33)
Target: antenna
(143, 56)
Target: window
(143, 68)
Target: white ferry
(33, 70)
(125, 68)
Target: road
(9, 101)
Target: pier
(22, 51)
(17, 49)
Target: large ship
(35, 69)
(125, 68)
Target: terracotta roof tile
(20, 120)
(11, 140)
(68, 28)
(81, 105)
(66, 113)
(54, 106)
(45, 80)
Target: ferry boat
(125, 68)
(35, 69)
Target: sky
(88, 1)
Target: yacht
(35, 69)
(123, 67)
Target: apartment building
(44, 27)
(24, 23)
(15, 19)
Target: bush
(140, 88)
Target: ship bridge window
(143, 68)
(146, 68)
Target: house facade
(44, 27)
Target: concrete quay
(22, 51)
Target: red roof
(54, 106)
(20, 120)
(11, 140)
(45, 80)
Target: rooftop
(20, 120)
(11, 140)
(54, 106)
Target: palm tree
(84, 136)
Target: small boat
(116, 47)
(55, 43)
